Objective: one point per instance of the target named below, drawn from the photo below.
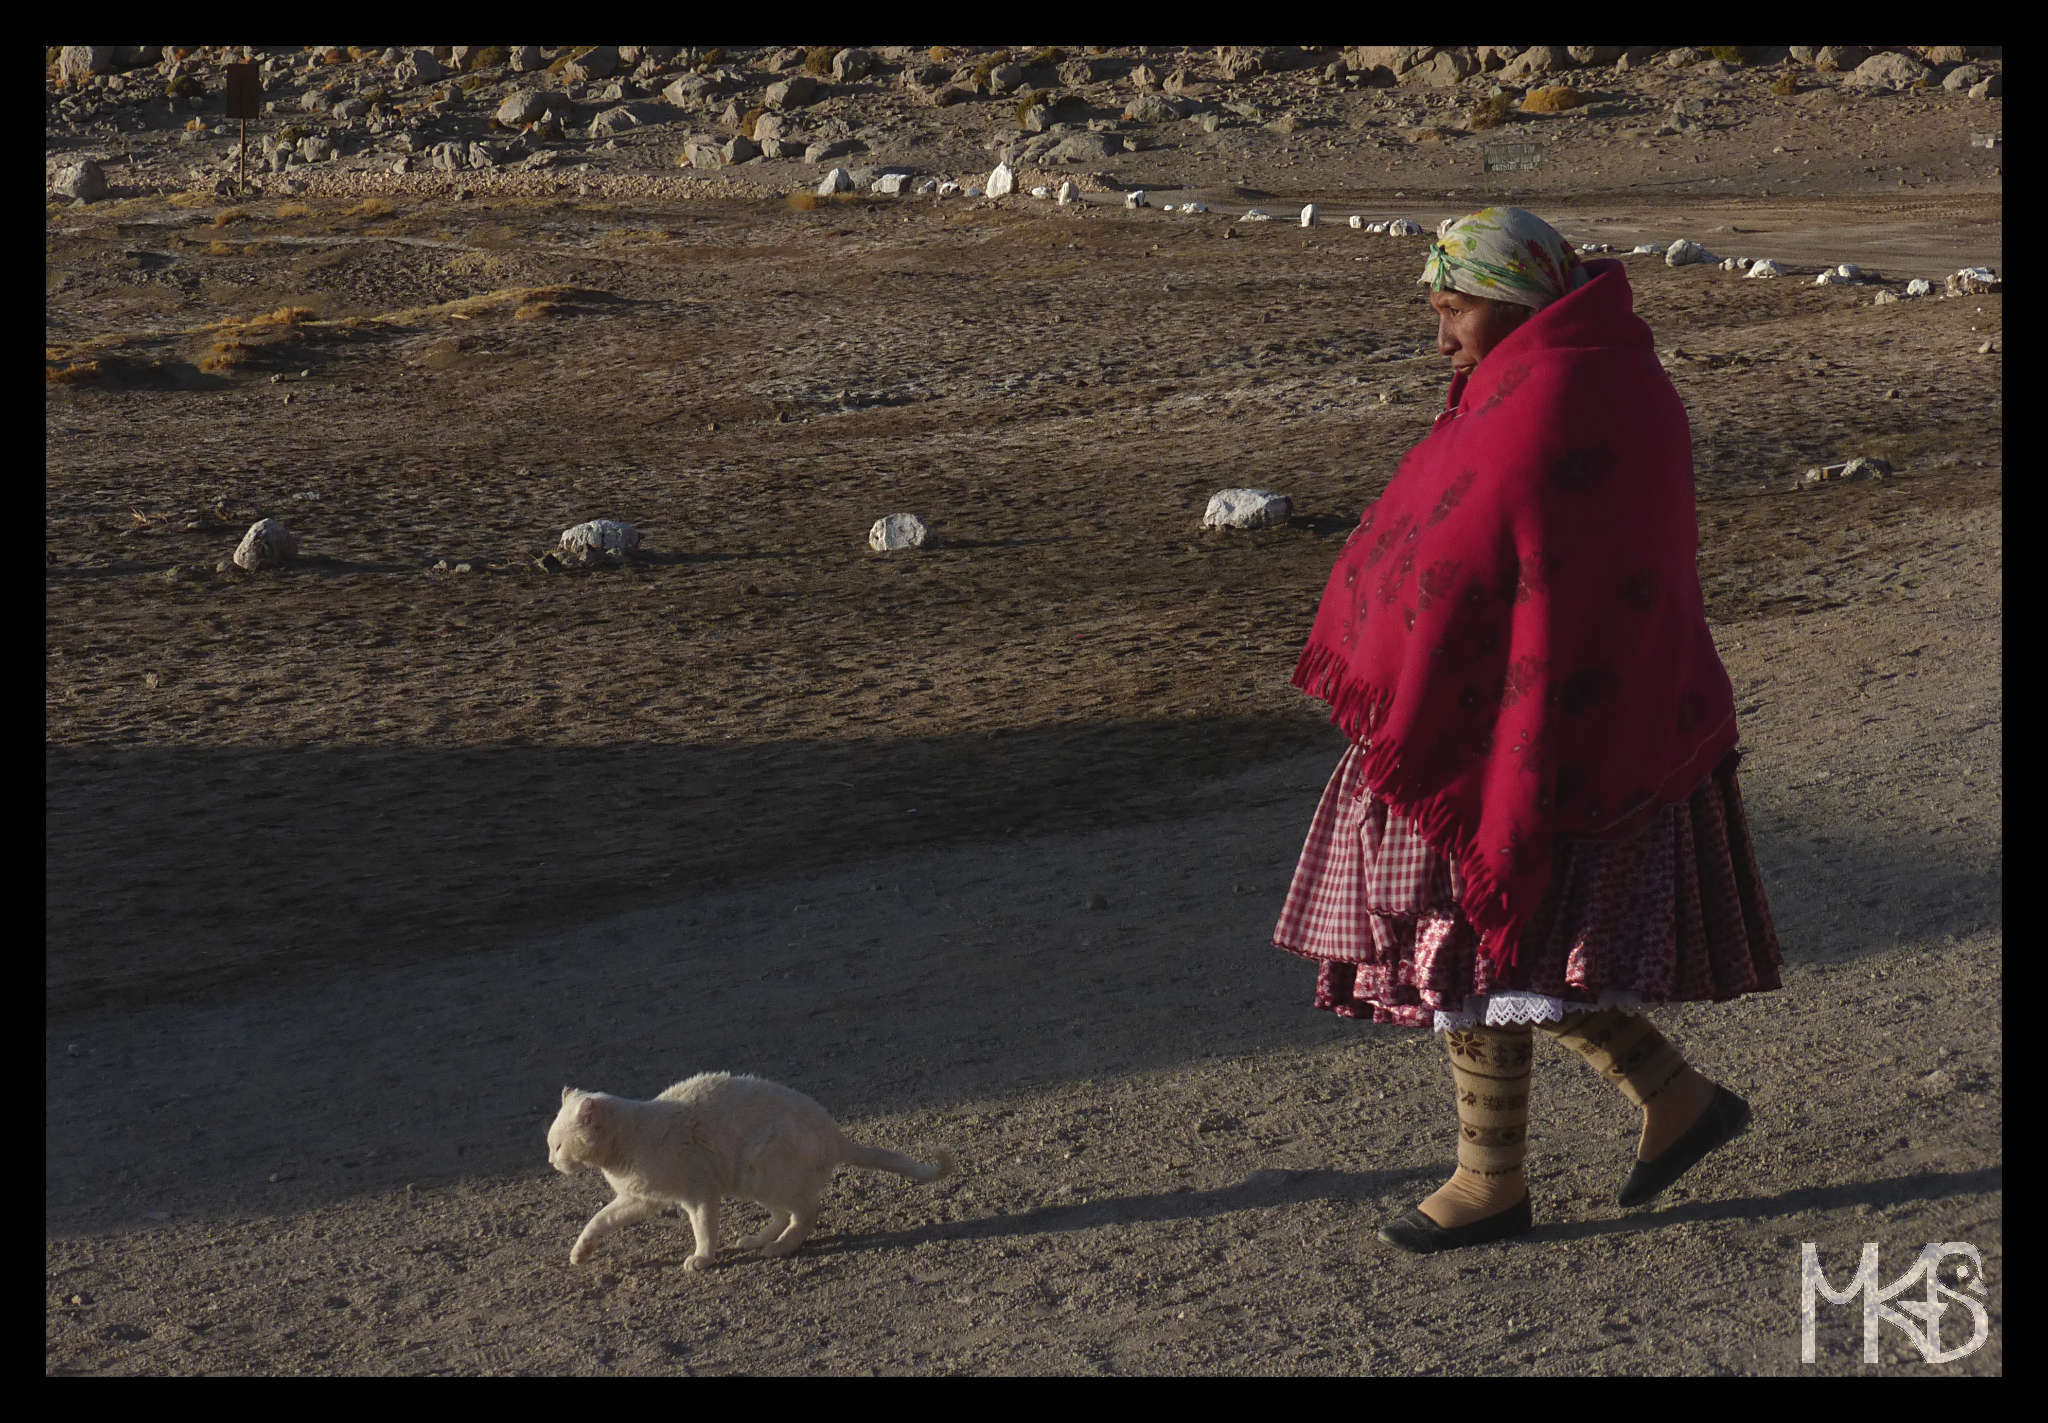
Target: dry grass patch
(289, 210)
(81, 374)
(372, 207)
(819, 61)
(1491, 113)
(1553, 99)
(230, 215)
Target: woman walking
(1537, 824)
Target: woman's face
(1467, 327)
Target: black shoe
(1725, 1118)
(1414, 1231)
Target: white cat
(708, 1137)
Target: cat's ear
(586, 1111)
(565, 1093)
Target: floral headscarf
(1503, 254)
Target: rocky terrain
(361, 847)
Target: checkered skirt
(1675, 914)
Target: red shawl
(1515, 630)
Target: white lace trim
(1506, 1009)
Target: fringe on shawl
(1356, 708)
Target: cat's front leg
(623, 1211)
(704, 1225)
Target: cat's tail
(877, 1158)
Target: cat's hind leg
(779, 1220)
(623, 1211)
(704, 1225)
(802, 1217)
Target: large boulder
(1151, 109)
(1084, 147)
(600, 537)
(1538, 59)
(897, 531)
(614, 121)
(851, 64)
(1398, 58)
(268, 544)
(598, 62)
(1446, 67)
(1593, 54)
(1836, 58)
(1891, 70)
(82, 180)
(76, 61)
(793, 92)
(522, 107)
(1243, 61)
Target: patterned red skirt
(1674, 915)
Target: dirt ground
(351, 866)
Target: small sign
(1983, 140)
(245, 92)
(1513, 157)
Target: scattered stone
(819, 152)
(1919, 286)
(1136, 199)
(1990, 88)
(948, 188)
(597, 62)
(1647, 249)
(739, 148)
(1837, 57)
(1246, 509)
(83, 181)
(268, 544)
(1067, 193)
(317, 149)
(1985, 349)
(891, 184)
(526, 58)
(1402, 227)
(1829, 278)
(1768, 267)
(1684, 253)
(1963, 76)
(1866, 468)
(1088, 146)
(1002, 181)
(1004, 78)
(927, 186)
(1591, 249)
(613, 121)
(597, 537)
(1849, 272)
(1041, 191)
(897, 531)
(1308, 215)
(76, 61)
(1972, 280)
(1256, 215)
(837, 181)
(1885, 299)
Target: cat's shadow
(1261, 1190)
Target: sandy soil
(351, 866)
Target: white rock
(1135, 199)
(837, 181)
(1919, 286)
(970, 192)
(1357, 222)
(1445, 226)
(1971, 280)
(1246, 509)
(1308, 215)
(1849, 272)
(948, 188)
(267, 545)
(1683, 253)
(1002, 181)
(1167, 207)
(897, 531)
(599, 536)
(1766, 268)
(1867, 468)
(1068, 193)
(1649, 249)
(1256, 215)
(1041, 191)
(927, 185)
(1885, 298)
(1379, 227)
(1194, 207)
(1402, 227)
(1827, 279)
(1731, 264)
(891, 183)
